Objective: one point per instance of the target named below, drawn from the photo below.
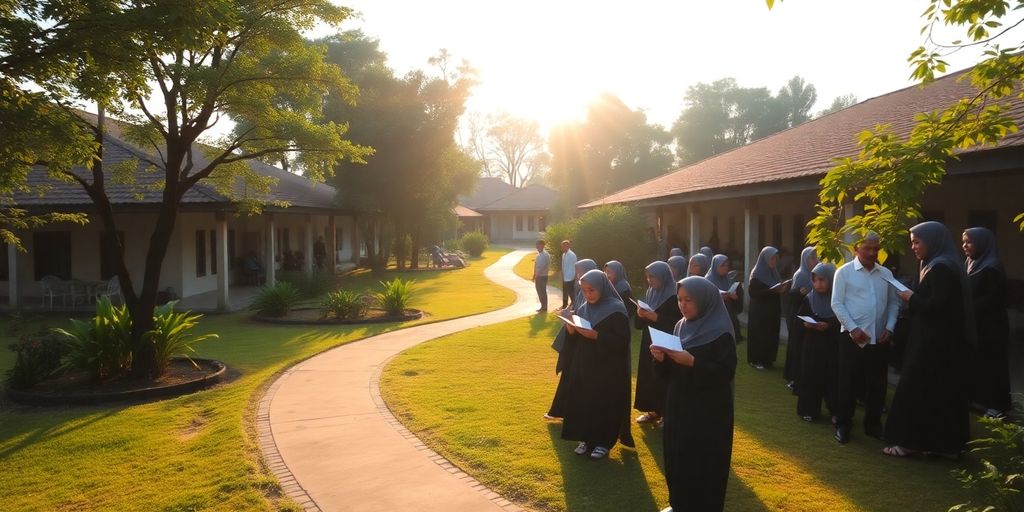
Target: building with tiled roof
(506, 213)
(764, 193)
(211, 251)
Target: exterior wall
(504, 226)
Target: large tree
(508, 147)
(881, 189)
(413, 180)
(173, 71)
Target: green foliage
(395, 296)
(401, 248)
(553, 236)
(607, 233)
(38, 356)
(171, 336)
(474, 242)
(277, 300)
(309, 285)
(1001, 475)
(344, 305)
(101, 346)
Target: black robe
(990, 376)
(818, 376)
(650, 386)
(566, 347)
(794, 342)
(929, 408)
(627, 300)
(598, 383)
(699, 425)
(735, 307)
(764, 317)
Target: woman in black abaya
(616, 273)
(661, 295)
(765, 313)
(794, 343)
(719, 275)
(990, 376)
(819, 351)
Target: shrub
(38, 356)
(102, 345)
(608, 233)
(553, 236)
(275, 300)
(475, 243)
(1000, 476)
(395, 296)
(313, 285)
(344, 304)
(171, 337)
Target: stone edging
(435, 457)
(409, 314)
(289, 485)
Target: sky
(545, 59)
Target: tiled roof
(531, 197)
(808, 149)
(292, 188)
(462, 211)
(487, 191)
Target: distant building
(506, 213)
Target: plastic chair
(53, 286)
(110, 289)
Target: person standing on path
(540, 275)
(568, 274)
(866, 306)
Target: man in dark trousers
(568, 274)
(541, 267)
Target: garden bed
(76, 387)
(314, 316)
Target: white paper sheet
(642, 305)
(807, 319)
(665, 340)
(896, 284)
(575, 321)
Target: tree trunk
(414, 248)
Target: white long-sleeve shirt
(864, 299)
(568, 266)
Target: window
(937, 216)
(52, 254)
(777, 231)
(760, 232)
(519, 222)
(231, 249)
(541, 223)
(530, 223)
(107, 267)
(799, 232)
(213, 252)
(283, 241)
(200, 253)
(5, 271)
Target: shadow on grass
(615, 483)
(38, 424)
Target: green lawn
(524, 269)
(478, 396)
(195, 452)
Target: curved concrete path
(333, 443)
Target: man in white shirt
(866, 306)
(541, 266)
(568, 274)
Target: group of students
(842, 324)
(688, 391)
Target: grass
(195, 452)
(478, 396)
(524, 269)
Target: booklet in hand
(781, 284)
(642, 305)
(896, 284)
(575, 321)
(732, 289)
(665, 340)
(807, 319)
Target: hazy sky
(545, 59)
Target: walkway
(333, 443)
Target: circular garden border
(408, 314)
(134, 395)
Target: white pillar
(271, 249)
(750, 248)
(694, 230)
(223, 303)
(12, 277)
(307, 242)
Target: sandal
(581, 448)
(648, 417)
(599, 453)
(897, 451)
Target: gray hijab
(621, 283)
(712, 320)
(703, 261)
(656, 296)
(821, 303)
(802, 277)
(607, 304)
(984, 242)
(582, 267)
(722, 282)
(762, 272)
(676, 252)
(942, 250)
(678, 266)
(707, 251)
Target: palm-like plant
(102, 345)
(171, 335)
(395, 296)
